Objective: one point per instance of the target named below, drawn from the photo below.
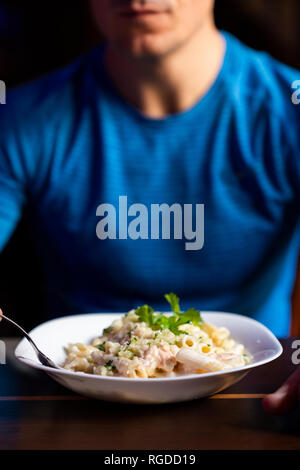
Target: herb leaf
(175, 322)
(193, 316)
(159, 321)
(174, 302)
(145, 313)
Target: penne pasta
(196, 360)
(147, 344)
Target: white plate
(52, 336)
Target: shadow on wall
(270, 25)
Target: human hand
(286, 398)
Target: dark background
(39, 36)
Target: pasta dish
(148, 344)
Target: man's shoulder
(261, 80)
(45, 96)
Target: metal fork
(44, 360)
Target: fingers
(280, 402)
(1, 314)
(285, 398)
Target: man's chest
(117, 201)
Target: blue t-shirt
(69, 143)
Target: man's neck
(173, 83)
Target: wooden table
(37, 413)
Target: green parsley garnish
(101, 346)
(109, 365)
(174, 302)
(145, 314)
(159, 321)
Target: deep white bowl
(52, 336)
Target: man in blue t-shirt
(165, 160)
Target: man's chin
(149, 46)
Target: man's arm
(287, 397)
(12, 198)
(22, 120)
